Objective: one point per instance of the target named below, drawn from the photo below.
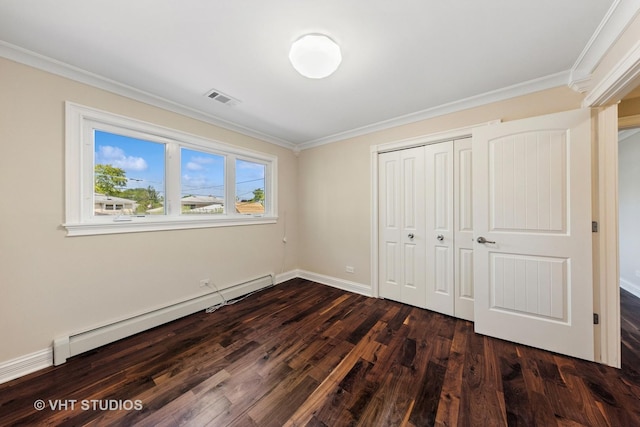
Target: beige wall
(335, 187)
(51, 284)
(629, 107)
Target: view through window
(124, 175)
(250, 185)
(129, 175)
(202, 182)
(130, 179)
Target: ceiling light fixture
(315, 56)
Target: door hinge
(594, 226)
(596, 319)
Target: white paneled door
(402, 226)
(463, 229)
(416, 227)
(532, 229)
(439, 232)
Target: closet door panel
(389, 213)
(401, 226)
(439, 227)
(463, 229)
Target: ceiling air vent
(222, 98)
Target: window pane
(250, 187)
(202, 182)
(129, 175)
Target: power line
(252, 180)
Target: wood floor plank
(306, 411)
(301, 353)
(391, 396)
(344, 397)
(449, 405)
(579, 393)
(277, 406)
(535, 386)
(517, 404)
(426, 401)
(482, 402)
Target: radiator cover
(77, 343)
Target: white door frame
(623, 77)
(434, 138)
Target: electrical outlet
(204, 282)
(350, 269)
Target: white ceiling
(401, 58)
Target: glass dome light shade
(315, 56)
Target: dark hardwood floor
(303, 354)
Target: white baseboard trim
(345, 285)
(29, 363)
(287, 275)
(23, 365)
(630, 287)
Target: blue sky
(201, 173)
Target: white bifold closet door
(402, 226)
(463, 229)
(419, 224)
(439, 232)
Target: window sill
(137, 225)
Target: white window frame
(79, 174)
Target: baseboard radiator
(74, 344)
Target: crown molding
(581, 85)
(618, 17)
(53, 66)
(520, 89)
(622, 78)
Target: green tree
(153, 195)
(108, 178)
(147, 198)
(258, 195)
(151, 199)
